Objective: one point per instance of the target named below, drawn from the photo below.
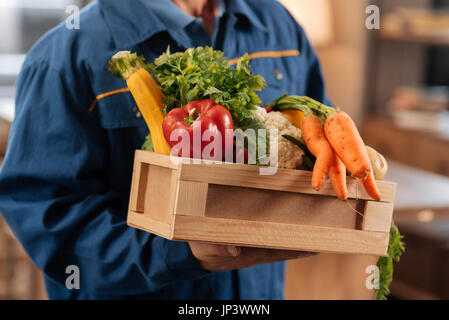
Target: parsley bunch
(395, 249)
(202, 73)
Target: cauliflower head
(289, 155)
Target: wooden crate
(234, 204)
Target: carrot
(337, 174)
(316, 142)
(345, 139)
(370, 186)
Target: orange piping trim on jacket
(255, 55)
(104, 95)
(267, 54)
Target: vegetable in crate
(385, 264)
(317, 143)
(204, 73)
(289, 156)
(376, 164)
(348, 145)
(146, 93)
(209, 119)
(342, 135)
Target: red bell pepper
(210, 120)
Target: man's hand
(215, 257)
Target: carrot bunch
(334, 140)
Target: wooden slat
(280, 236)
(157, 159)
(377, 216)
(160, 193)
(139, 187)
(191, 198)
(284, 180)
(142, 187)
(145, 223)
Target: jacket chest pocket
(123, 121)
(118, 110)
(283, 75)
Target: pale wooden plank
(136, 186)
(160, 193)
(148, 224)
(280, 236)
(377, 216)
(191, 198)
(284, 180)
(157, 159)
(139, 190)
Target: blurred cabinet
(419, 149)
(423, 271)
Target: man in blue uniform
(65, 181)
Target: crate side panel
(191, 198)
(284, 180)
(280, 236)
(160, 193)
(282, 207)
(377, 216)
(145, 223)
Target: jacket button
(137, 113)
(278, 74)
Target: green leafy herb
(203, 73)
(395, 249)
(148, 144)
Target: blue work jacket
(65, 181)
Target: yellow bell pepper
(294, 116)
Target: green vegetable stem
(395, 249)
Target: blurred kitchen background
(393, 81)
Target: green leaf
(204, 73)
(148, 144)
(386, 264)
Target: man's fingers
(234, 251)
(215, 250)
(228, 257)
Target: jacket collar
(133, 24)
(244, 13)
